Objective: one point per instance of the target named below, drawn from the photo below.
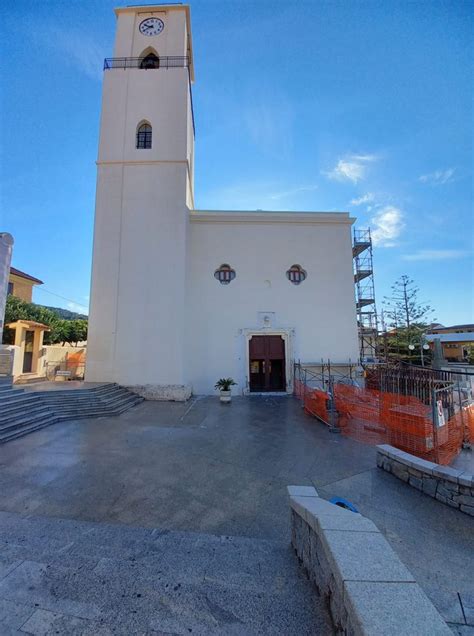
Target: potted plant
(225, 387)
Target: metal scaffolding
(365, 295)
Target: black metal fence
(426, 412)
(418, 382)
(172, 61)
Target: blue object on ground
(343, 503)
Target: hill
(66, 314)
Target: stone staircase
(67, 576)
(23, 411)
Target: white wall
(140, 235)
(138, 287)
(158, 316)
(16, 358)
(172, 41)
(319, 314)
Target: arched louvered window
(296, 274)
(144, 136)
(150, 61)
(225, 274)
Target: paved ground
(214, 471)
(76, 577)
(465, 461)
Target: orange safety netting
(314, 401)
(378, 417)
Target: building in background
(21, 284)
(456, 341)
(182, 297)
(28, 347)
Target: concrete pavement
(219, 470)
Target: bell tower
(144, 193)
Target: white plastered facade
(160, 321)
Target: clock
(151, 26)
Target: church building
(182, 297)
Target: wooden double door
(267, 363)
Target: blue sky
(352, 106)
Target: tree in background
(17, 309)
(78, 331)
(403, 307)
(407, 318)
(62, 331)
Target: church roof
(261, 216)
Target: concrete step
(93, 411)
(72, 413)
(169, 581)
(19, 397)
(20, 432)
(24, 430)
(16, 426)
(22, 412)
(85, 398)
(79, 394)
(26, 421)
(84, 404)
(120, 397)
(7, 388)
(27, 380)
(54, 392)
(8, 393)
(17, 413)
(71, 407)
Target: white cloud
(438, 177)
(80, 309)
(365, 198)
(293, 192)
(435, 255)
(351, 168)
(269, 119)
(387, 225)
(74, 46)
(255, 195)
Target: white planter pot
(226, 396)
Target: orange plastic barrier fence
(377, 417)
(314, 401)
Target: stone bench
(368, 589)
(452, 487)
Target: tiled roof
(18, 272)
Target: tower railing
(162, 62)
(172, 61)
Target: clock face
(151, 26)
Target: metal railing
(172, 61)
(166, 62)
(422, 411)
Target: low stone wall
(368, 589)
(448, 485)
(164, 392)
